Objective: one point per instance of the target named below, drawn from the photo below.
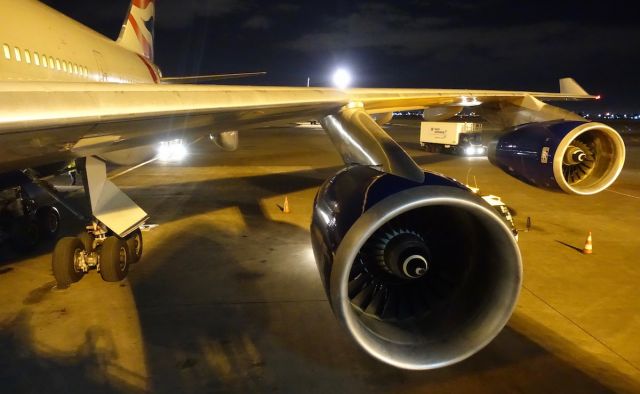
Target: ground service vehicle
(462, 138)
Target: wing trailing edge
(209, 78)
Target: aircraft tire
(63, 261)
(48, 219)
(24, 234)
(87, 241)
(114, 259)
(134, 243)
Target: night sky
(491, 44)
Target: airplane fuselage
(37, 43)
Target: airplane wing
(44, 122)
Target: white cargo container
(458, 137)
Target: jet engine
(576, 157)
(226, 140)
(422, 275)
(437, 114)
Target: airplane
(386, 234)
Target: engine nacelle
(422, 275)
(130, 156)
(437, 114)
(576, 157)
(226, 140)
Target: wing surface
(41, 122)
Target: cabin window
(16, 51)
(75, 69)
(58, 64)
(44, 61)
(36, 58)
(64, 66)
(51, 63)
(7, 51)
(27, 56)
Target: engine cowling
(576, 157)
(226, 140)
(422, 275)
(437, 114)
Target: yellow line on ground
(623, 194)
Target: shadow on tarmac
(26, 367)
(238, 312)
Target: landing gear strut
(111, 242)
(95, 249)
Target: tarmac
(227, 297)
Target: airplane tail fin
(137, 30)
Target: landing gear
(134, 243)
(88, 241)
(68, 263)
(113, 240)
(96, 249)
(114, 259)
(48, 219)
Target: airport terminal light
(341, 78)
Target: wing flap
(210, 78)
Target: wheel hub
(574, 155)
(406, 256)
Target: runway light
(172, 151)
(341, 78)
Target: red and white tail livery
(137, 31)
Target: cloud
(171, 14)
(258, 22)
(393, 31)
(179, 14)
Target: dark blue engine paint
(519, 152)
(343, 198)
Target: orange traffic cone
(285, 206)
(588, 245)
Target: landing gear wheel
(134, 243)
(114, 259)
(48, 222)
(87, 240)
(25, 234)
(65, 261)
